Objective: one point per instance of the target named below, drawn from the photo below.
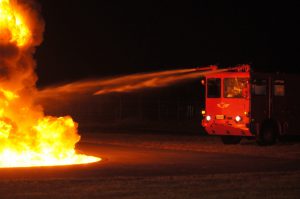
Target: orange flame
(27, 136)
(12, 25)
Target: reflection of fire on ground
(27, 136)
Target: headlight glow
(238, 118)
(208, 118)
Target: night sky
(85, 39)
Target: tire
(231, 139)
(268, 135)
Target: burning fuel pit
(28, 137)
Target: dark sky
(98, 38)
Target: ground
(143, 165)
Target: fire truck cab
(240, 103)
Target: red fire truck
(241, 103)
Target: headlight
(238, 118)
(208, 118)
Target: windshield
(235, 87)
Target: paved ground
(127, 166)
(132, 161)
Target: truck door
(279, 103)
(213, 95)
(259, 101)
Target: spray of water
(128, 83)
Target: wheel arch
(271, 122)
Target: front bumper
(214, 128)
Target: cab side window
(278, 88)
(259, 87)
(214, 88)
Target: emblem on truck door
(222, 105)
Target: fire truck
(241, 103)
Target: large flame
(27, 136)
(12, 25)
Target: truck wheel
(231, 139)
(268, 135)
